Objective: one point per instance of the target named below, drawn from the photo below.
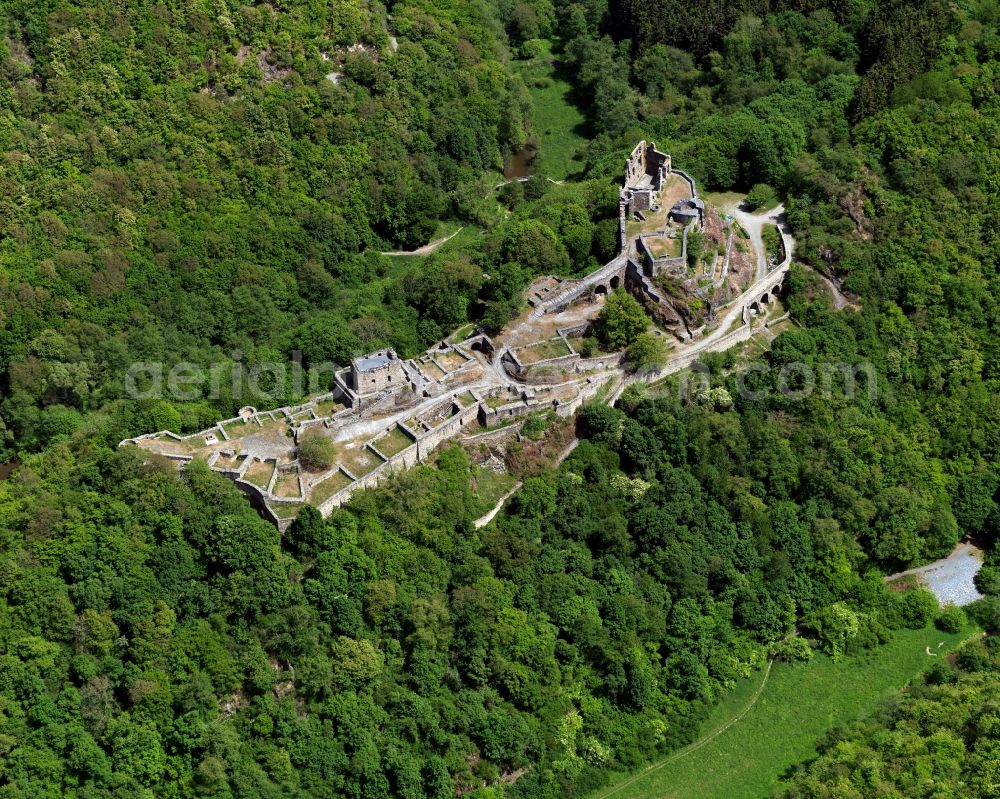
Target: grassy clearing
(271, 428)
(359, 461)
(393, 442)
(499, 400)
(461, 241)
(287, 484)
(287, 510)
(488, 486)
(259, 473)
(664, 247)
(334, 483)
(462, 333)
(225, 462)
(558, 124)
(329, 408)
(726, 201)
(431, 369)
(543, 351)
(798, 704)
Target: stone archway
(615, 282)
(764, 298)
(600, 289)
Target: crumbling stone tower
(377, 372)
(645, 171)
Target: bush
(511, 194)
(951, 619)
(536, 186)
(621, 320)
(974, 658)
(535, 426)
(988, 580)
(794, 649)
(917, 608)
(647, 351)
(772, 241)
(532, 48)
(316, 451)
(986, 613)
(761, 196)
(940, 674)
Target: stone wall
(417, 452)
(446, 431)
(622, 217)
(535, 372)
(655, 265)
(488, 417)
(635, 165)
(495, 437)
(641, 200)
(689, 180)
(738, 336)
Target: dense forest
(182, 181)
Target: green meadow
(750, 745)
(558, 124)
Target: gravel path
(950, 579)
(427, 249)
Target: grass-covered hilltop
(678, 589)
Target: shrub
(532, 48)
(794, 649)
(647, 351)
(951, 619)
(511, 194)
(917, 608)
(940, 674)
(536, 187)
(772, 241)
(621, 320)
(535, 426)
(316, 451)
(974, 658)
(761, 196)
(986, 613)
(988, 580)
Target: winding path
(692, 747)
(753, 224)
(840, 300)
(427, 249)
(482, 521)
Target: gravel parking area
(951, 579)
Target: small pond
(520, 163)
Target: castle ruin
(384, 413)
(645, 171)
